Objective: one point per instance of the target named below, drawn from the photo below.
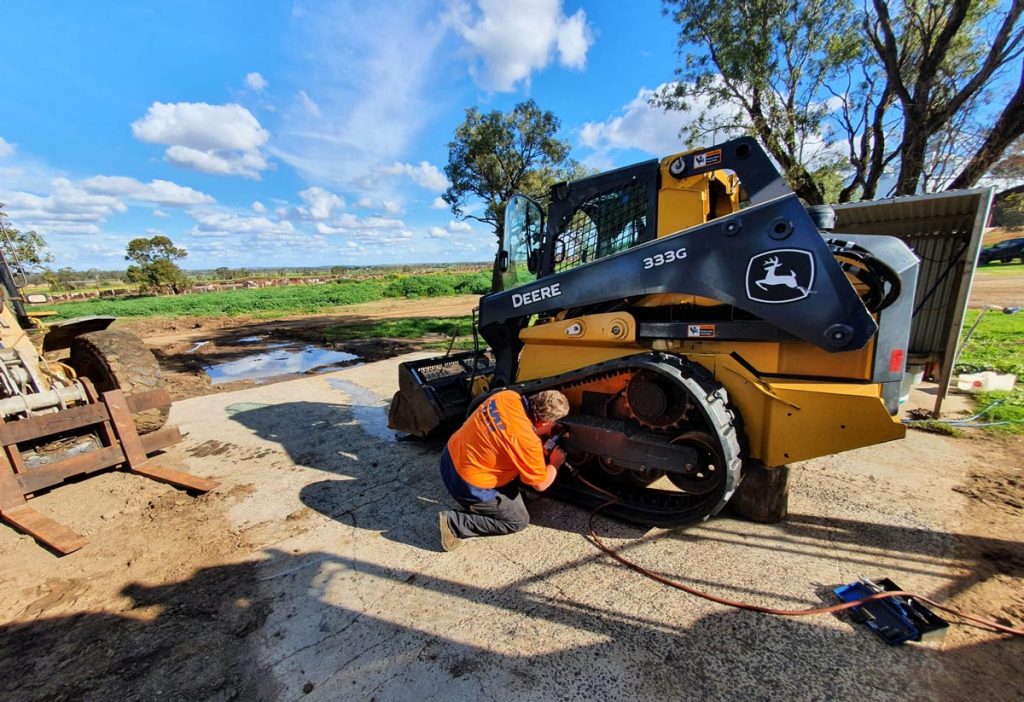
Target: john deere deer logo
(779, 276)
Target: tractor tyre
(115, 358)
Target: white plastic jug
(985, 381)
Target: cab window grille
(607, 223)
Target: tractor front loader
(102, 405)
(702, 322)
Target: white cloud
(220, 139)
(373, 96)
(574, 39)
(438, 233)
(456, 226)
(247, 165)
(391, 207)
(507, 42)
(320, 202)
(439, 204)
(255, 81)
(366, 229)
(6, 148)
(161, 192)
(365, 202)
(426, 175)
(258, 207)
(639, 125)
(310, 105)
(67, 208)
(381, 223)
(160, 213)
(223, 223)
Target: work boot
(449, 541)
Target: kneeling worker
(499, 443)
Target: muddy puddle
(262, 361)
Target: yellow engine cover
(785, 420)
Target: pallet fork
(110, 416)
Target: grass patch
(409, 328)
(933, 426)
(274, 302)
(1006, 406)
(997, 345)
(997, 270)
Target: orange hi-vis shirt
(498, 444)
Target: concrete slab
(358, 602)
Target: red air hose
(769, 610)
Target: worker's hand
(557, 457)
(551, 444)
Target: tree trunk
(497, 281)
(1006, 130)
(911, 160)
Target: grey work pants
(505, 514)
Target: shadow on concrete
(394, 489)
(189, 640)
(390, 487)
(288, 625)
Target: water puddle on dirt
(277, 361)
(368, 408)
(199, 345)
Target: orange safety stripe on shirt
(498, 444)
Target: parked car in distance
(1004, 252)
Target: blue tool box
(896, 619)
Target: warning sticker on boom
(702, 331)
(708, 158)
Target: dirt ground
(223, 339)
(1001, 290)
(176, 596)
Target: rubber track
(650, 506)
(124, 362)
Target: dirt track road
(1003, 290)
(314, 572)
(169, 332)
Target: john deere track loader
(698, 317)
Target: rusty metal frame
(111, 415)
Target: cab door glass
(524, 227)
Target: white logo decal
(780, 276)
(536, 295)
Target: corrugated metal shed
(944, 230)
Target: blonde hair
(548, 406)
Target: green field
(273, 302)
(410, 328)
(997, 345)
(997, 270)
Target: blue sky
(300, 133)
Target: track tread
(650, 506)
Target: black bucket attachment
(434, 393)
